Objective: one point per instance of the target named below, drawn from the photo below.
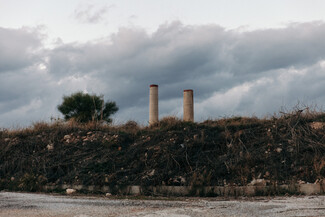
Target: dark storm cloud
(231, 72)
(175, 56)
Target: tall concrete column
(188, 106)
(153, 104)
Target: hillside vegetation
(230, 151)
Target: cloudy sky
(240, 57)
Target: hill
(233, 151)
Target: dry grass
(283, 148)
(305, 114)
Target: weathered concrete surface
(188, 105)
(305, 189)
(153, 104)
(27, 205)
(310, 189)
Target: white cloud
(91, 13)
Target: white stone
(70, 191)
(278, 150)
(67, 137)
(258, 182)
(50, 147)
(317, 125)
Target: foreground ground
(26, 204)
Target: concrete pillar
(153, 104)
(188, 106)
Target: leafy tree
(84, 107)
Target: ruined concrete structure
(153, 104)
(188, 105)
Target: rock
(66, 137)
(50, 147)
(258, 182)
(151, 173)
(317, 125)
(178, 180)
(70, 191)
(183, 180)
(278, 150)
(322, 184)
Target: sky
(249, 58)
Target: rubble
(317, 125)
(258, 182)
(50, 147)
(70, 191)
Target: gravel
(28, 204)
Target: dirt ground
(27, 204)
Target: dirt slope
(231, 151)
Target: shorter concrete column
(153, 104)
(188, 106)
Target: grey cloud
(263, 50)
(287, 90)
(231, 72)
(284, 88)
(18, 48)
